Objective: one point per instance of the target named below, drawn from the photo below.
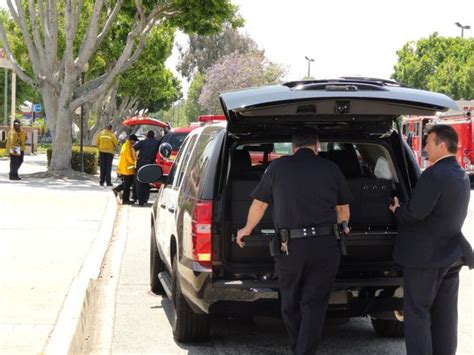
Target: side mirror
(149, 174)
(165, 150)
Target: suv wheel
(156, 265)
(388, 328)
(187, 325)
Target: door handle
(171, 209)
(163, 205)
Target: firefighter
(107, 143)
(126, 169)
(16, 141)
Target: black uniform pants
(430, 308)
(105, 163)
(127, 184)
(306, 277)
(15, 163)
(143, 190)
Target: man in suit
(429, 247)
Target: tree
(438, 64)
(147, 85)
(204, 51)
(192, 108)
(23, 91)
(57, 60)
(236, 72)
(470, 75)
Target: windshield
(175, 139)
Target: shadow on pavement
(29, 180)
(267, 335)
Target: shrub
(43, 147)
(3, 153)
(91, 158)
(3, 144)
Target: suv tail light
(201, 229)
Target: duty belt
(307, 232)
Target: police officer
(147, 150)
(430, 248)
(107, 143)
(309, 195)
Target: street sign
(37, 108)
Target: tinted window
(187, 151)
(175, 139)
(175, 165)
(200, 160)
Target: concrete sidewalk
(53, 236)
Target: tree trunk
(50, 102)
(61, 149)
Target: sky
(344, 37)
(347, 37)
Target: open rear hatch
(349, 101)
(354, 105)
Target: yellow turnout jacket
(15, 140)
(106, 142)
(127, 159)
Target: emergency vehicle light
(209, 118)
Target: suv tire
(156, 265)
(388, 328)
(187, 325)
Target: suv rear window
(175, 139)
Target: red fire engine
(414, 131)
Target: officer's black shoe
(15, 178)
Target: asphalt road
(128, 318)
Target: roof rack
(344, 81)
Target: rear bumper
(350, 297)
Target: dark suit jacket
(429, 225)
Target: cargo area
(371, 175)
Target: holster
(282, 236)
(275, 245)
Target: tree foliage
(204, 51)
(438, 64)
(470, 74)
(62, 37)
(236, 72)
(192, 108)
(148, 79)
(23, 90)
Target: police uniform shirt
(148, 149)
(303, 189)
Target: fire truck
(414, 131)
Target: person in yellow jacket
(126, 169)
(16, 141)
(107, 144)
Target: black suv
(205, 199)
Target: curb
(67, 334)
